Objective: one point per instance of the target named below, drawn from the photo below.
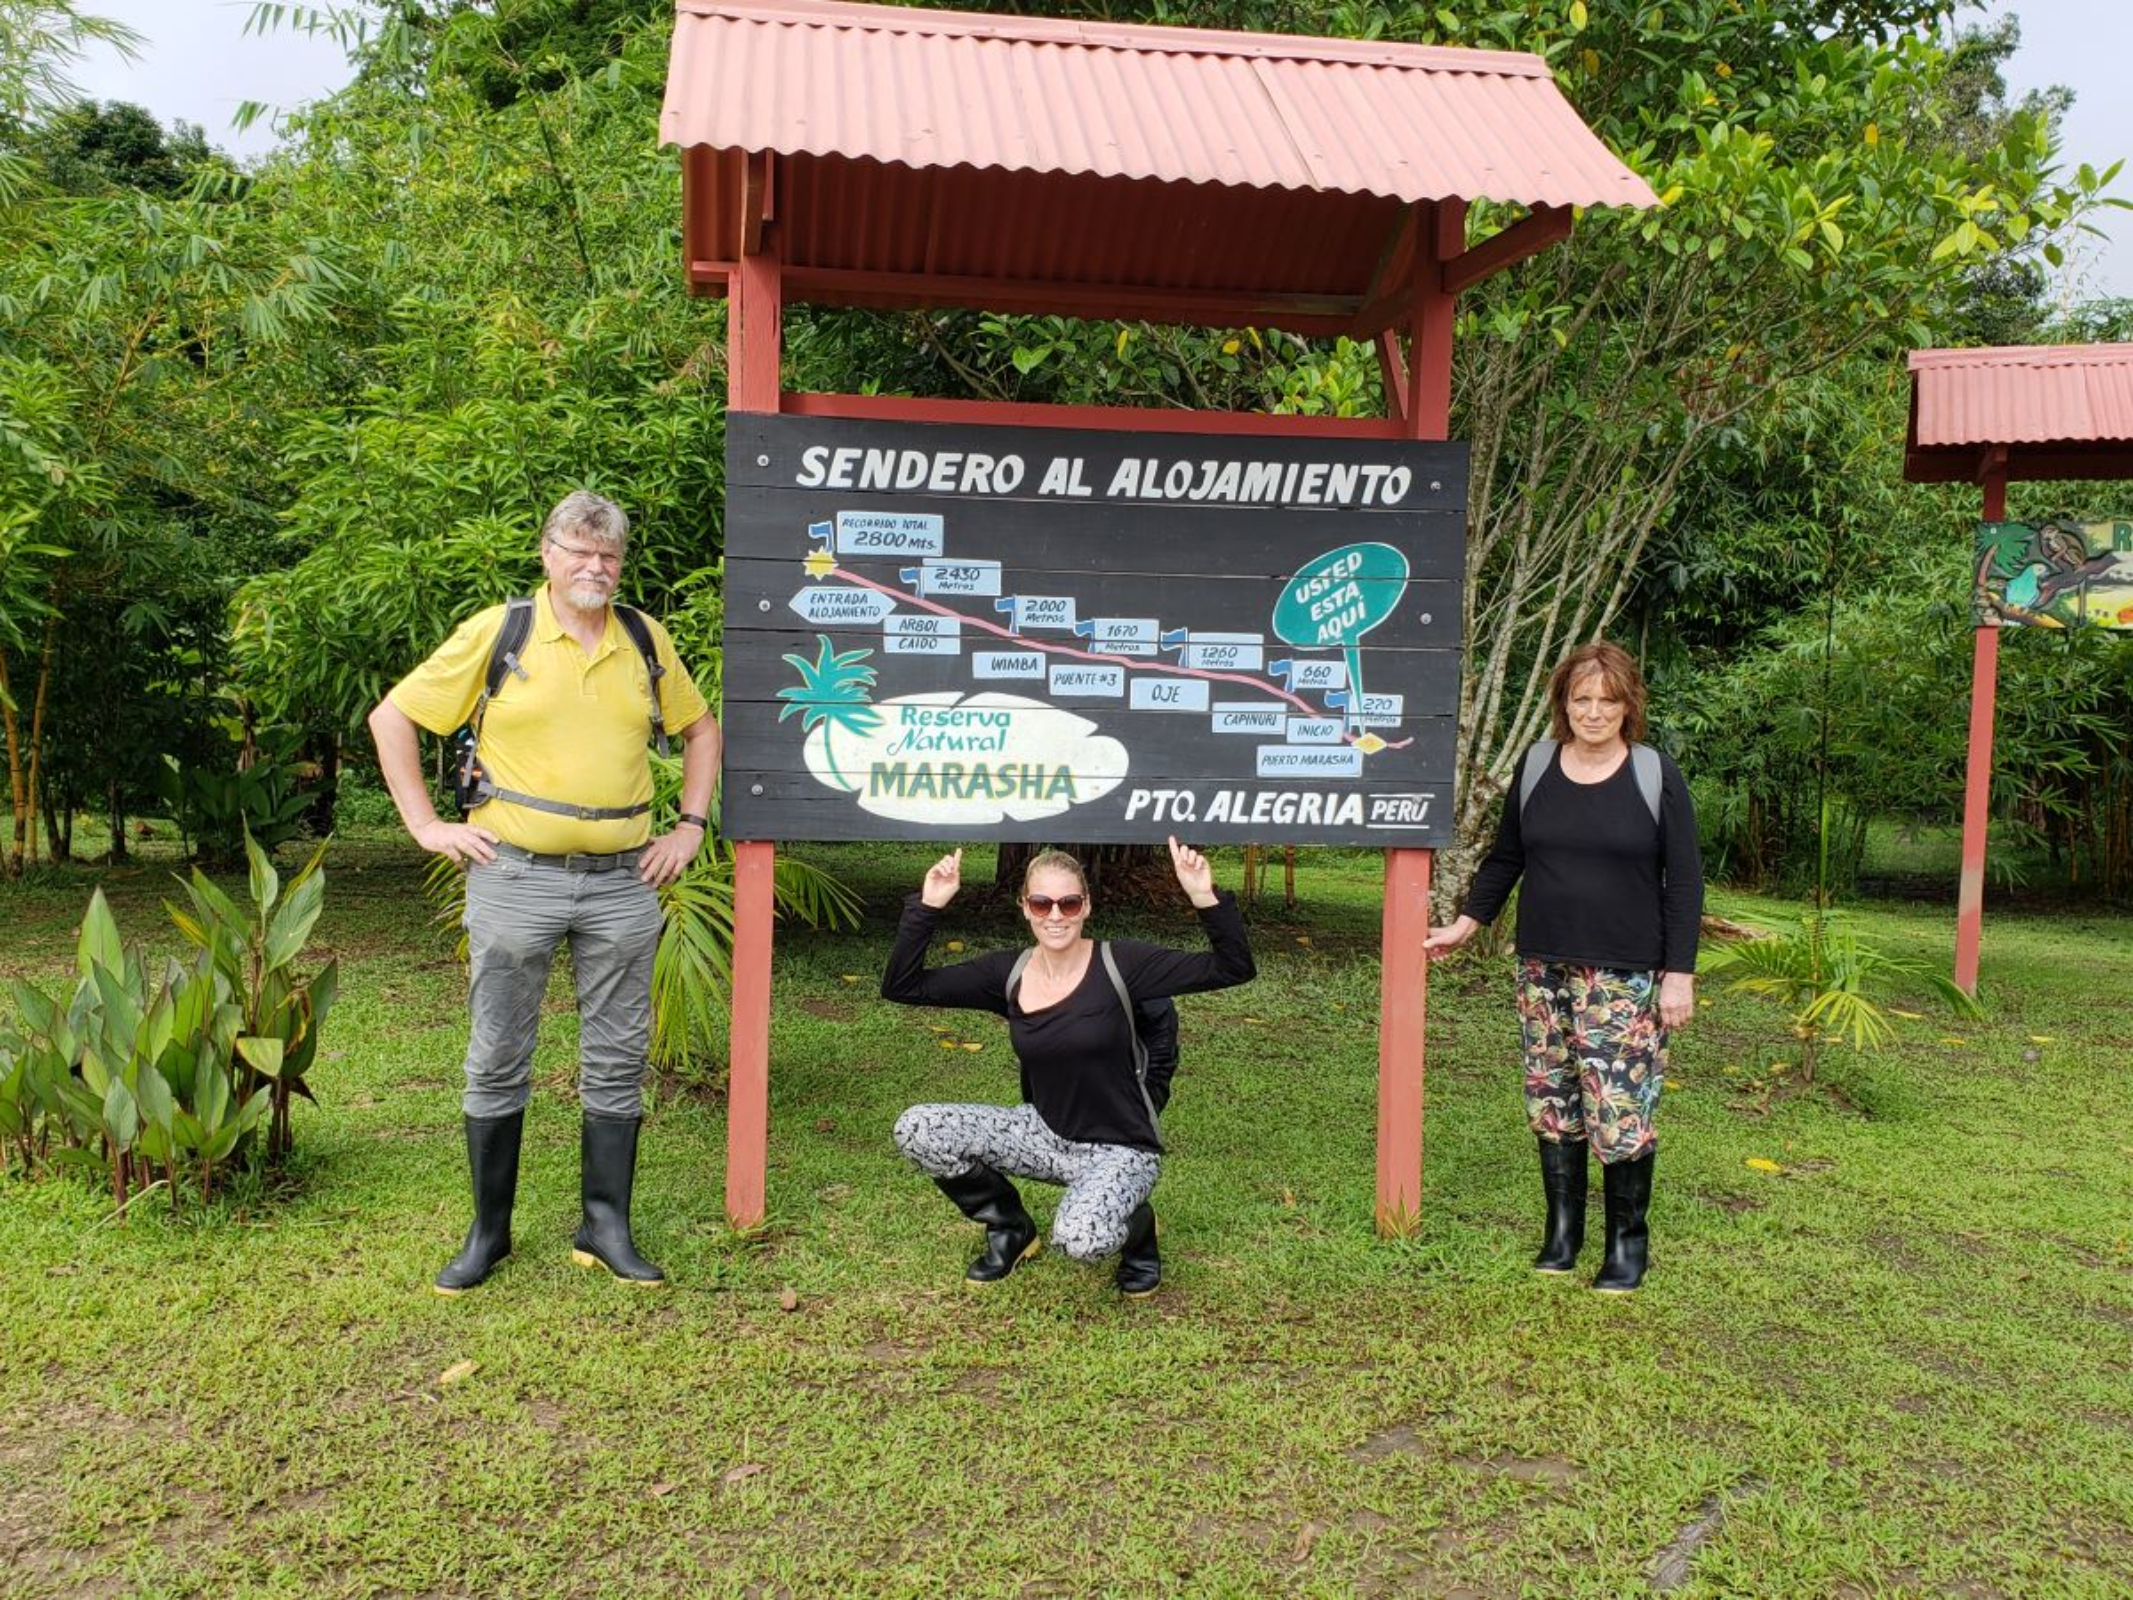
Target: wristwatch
(690, 816)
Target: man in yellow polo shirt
(559, 849)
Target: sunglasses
(1070, 905)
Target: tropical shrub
(218, 807)
(1828, 975)
(172, 1069)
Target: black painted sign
(1036, 634)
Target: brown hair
(1054, 861)
(1618, 675)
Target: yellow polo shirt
(576, 728)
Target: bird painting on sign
(2058, 574)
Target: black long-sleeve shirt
(1076, 1055)
(1604, 885)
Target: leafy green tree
(522, 331)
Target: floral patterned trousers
(1595, 1055)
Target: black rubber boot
(608, 1151)
(1628, 1187)
(986, 1196)
(492, 1159)
(1140, 1267)
(1563, 1181)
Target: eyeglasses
(606, 558)
(1070, 905)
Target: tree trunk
(55, 842)
(44, 690)
(320, 812)
(18, 794)
(117, 798)
(1118, 874)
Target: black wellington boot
(1563, 1181)
(986, 1196)
(608, 1150)
(1628, 1187)
(492, 1159)
(1140, 1268)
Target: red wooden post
(1403, 1009)
(1977, 782)
(1420, 396)
(754, 315)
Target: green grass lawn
(1904, 1362)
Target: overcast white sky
(200, 65)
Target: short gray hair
(593, 515)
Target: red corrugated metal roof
(2024, 394)
(2062, 410)
(940, 89)
(945, 158)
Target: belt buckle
(581, 861)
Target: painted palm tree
(832, 694)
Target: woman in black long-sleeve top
(1087, 1119)
(1602, 831)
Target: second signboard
(1041, 634)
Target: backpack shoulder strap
(1133, 1028)
(1014, 973)
(1529, 773)
(640, 632)
(511, 637)
(1125, 1000)
(1644, 763)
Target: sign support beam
(1977, 782)
(754, 346)
(1422, 393)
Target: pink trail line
(1127, 662)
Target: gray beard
(586, 601)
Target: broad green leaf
(265, 881)
(154, 1097)
(261, 1053)
(122, 1116)
(211, 1096)
(292, 924)
(99, 944)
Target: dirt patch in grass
(36, 1551)
(1735, 1204)
(1550, 1470)
(1399, 1441)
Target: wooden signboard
(2057, 574)
(1037, 634)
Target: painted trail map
(1035, 633)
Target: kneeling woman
(1086, 1119)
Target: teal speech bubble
(1335, 599)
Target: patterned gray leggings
(1104, 1182)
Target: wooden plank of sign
(769, 451)
(756, 669)
(769, 805)
(1206, 743)
(1107, 611)
(1265, 542)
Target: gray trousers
(1104, 1182)
(517, 913)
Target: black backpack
(472, 787)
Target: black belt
(577, 861)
